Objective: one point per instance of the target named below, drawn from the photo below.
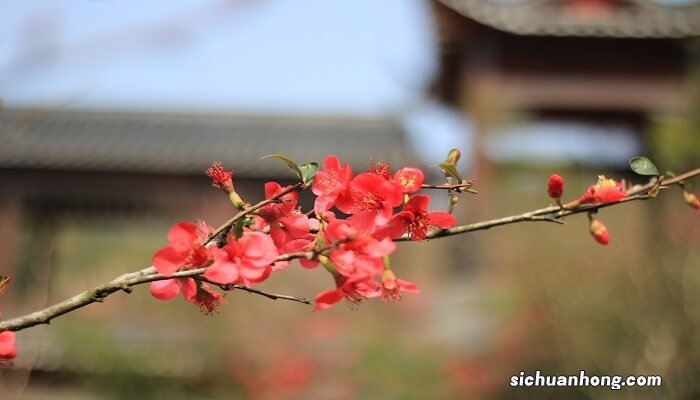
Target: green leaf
(238, 228)
(643, 166)
(308, 171)
(449, 170)
(291, 164)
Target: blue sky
(343, 57)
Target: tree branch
(127, 281)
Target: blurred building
(131, 165)
(589, 66)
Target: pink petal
(167, 260)
(331, 163)
(406, 286)
(309, 264)
(188, 289)
(417, 202)
(442, 219)
(363, 220)
(379, 249)
(181, 235)
(272, 188)
(328, 298)
(165, 289)
(222, 272)
(7, 337)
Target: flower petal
(165, 290)
(327, 299)
(167, 260)
(441, 219)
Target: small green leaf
(308, 171)
(449, 170)
(643, 166)
(320, 242)
(238, 228)
(291, 164)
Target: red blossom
(555, 186)
(599, 232)
(370, 199)
(329, 183)
(392, 287)
(353, 289)
(415, 219)
(7, 345)
(409, 179)
(184, 249)
(357, 252)
(245, 260)
(220, 178)
(605, 191)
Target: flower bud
(691, 199)
(555, 186)
(599, 232)
(453, 156)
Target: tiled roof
(633, 19)
(187, 144)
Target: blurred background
(112, 110)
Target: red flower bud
(599, 232)
(555, 186)
(691, 200)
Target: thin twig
(457, 187)
(243, 213)
(125, 282)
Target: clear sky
(315, 56)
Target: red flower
(409, 179)
(605, 191)
(184, 250)
(7, 345)
(599, 232)
(329, 183)
(555, 186)
(415, 220)
(221, 178)
(391, 286)
(370, 199)
(354, 289)
(245, 260)
(357, 252)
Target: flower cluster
(378, 206)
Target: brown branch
(457, 187)
(555, 213)
(127, 281)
